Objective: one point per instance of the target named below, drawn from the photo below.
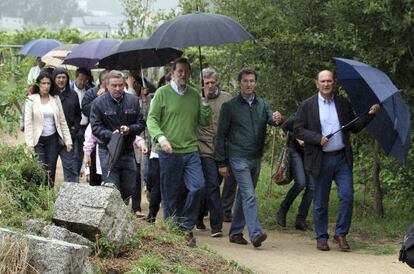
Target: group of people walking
(187, 144)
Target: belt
(333, 153)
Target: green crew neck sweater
(177, 118)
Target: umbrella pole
(201, 71)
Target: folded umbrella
(366, 86)
(134, 55)
(39, 47)
(115, 148)
(88, 54)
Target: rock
(61, 233)
(49, 256)
(34, 226)
(91, 210)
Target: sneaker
(238, 239)
(216, 233)
(200, 225)
(110, 185)
(259, 239)
(301, 225)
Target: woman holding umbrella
(45, 124)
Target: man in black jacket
(117, 111)
(329, 159)
(71, 108)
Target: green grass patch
(147, 264)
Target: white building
(90, 24)
(11, 23)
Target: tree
(138, 17)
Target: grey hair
(210, 72)
(115, 74)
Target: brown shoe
(342, 243)
(322, 245)
(259, 239)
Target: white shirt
(177, 89)
(330, 123)
(49, 127)
(33, 73)
(81, 93)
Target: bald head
(325, 82)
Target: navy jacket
(107, 115)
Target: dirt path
(293, 253)
(283, 252)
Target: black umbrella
(133, 55)
(198, 29)
(115, 147)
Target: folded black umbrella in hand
(115, 148)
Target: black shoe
(281, 218)
(238, 239)
(259, 239)
(150, 219)
(227, 219)
(191, 240)
(216, 233)
(301, 225)
(200, 225)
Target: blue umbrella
(366, 86)
(39, 47)
(88, 54)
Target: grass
(14, 256)
(369, 233)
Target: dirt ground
(285, 252)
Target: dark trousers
(212, 199)
(178, 171)
(68, 163)
(228, 195)
(94, 178)
(301, 181)
(78, 149)
(333, 168)
(136, 196)
(153, 186)
(47, 153)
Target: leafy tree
(137, 13)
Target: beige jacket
(33, 120)
(207, 134)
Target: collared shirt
(118, 100)
(177, 89)
(249, 100)
(81, 93)
(330, 123)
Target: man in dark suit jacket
(329, 159)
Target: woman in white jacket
(45, 124)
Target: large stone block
(90, 210)
(62, 234)
(49, 256)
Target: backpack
(407, 249)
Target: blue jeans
(123, 172)
(246, 172)
(212, 192)
(333, 168)
(177, 172)
(68, 163)
(301, 181)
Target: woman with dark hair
(45, 124)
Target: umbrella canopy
(133, 55)
(198, 29)
(39, 47)
(365, 86)
(55, 57)
(89, 53)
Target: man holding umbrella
(329, 157)
(175, 113)
(117, 112)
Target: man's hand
(30, 149)
(87, 160)
(124, 130)
(277, 117)
(224, 171)
(100, 91)
(144, 149)
(374, 109)
(69, 148)
(301, 143)
(324, 140)
(166, 146)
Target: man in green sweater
(239, 145)
(175, 113)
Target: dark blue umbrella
(88, 54)
(366, 86)
(39, 47)
(134, 55)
